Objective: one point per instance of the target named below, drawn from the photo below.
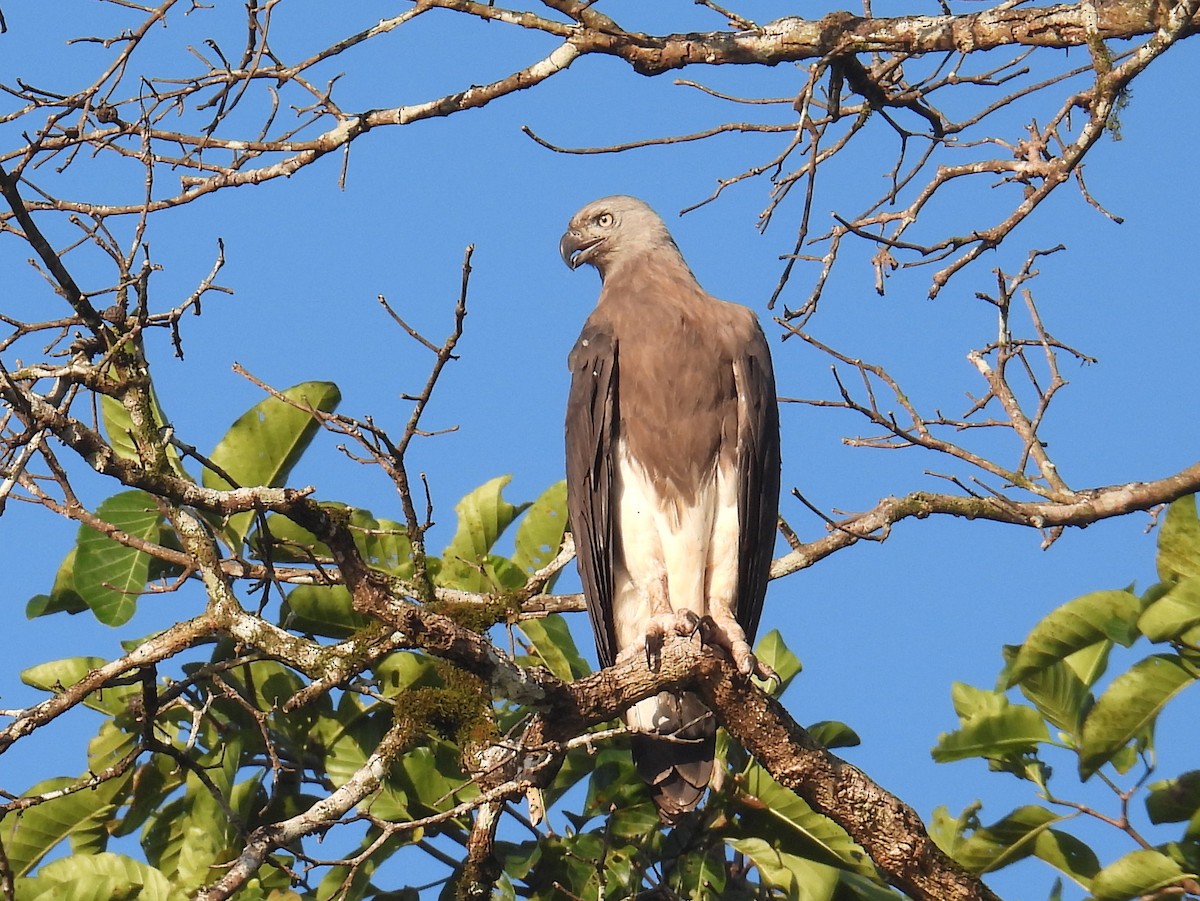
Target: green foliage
(57, 675)
(109, 575)
(240, 760)
(40, 829)
(1128, 708)
(792, 826)
(1137, 874)
(247, 760)
(1179, 542)
(467, 562)
(1078, 624)
(992, 727)
(63, 598)
(265, 443)
(1107, 727)
(540, 533)
(797, 877)
(99, 877)
(551, 646)
(774, 652)
(240, 757)
(118, 426)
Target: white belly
(673, 555)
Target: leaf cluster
(1103, 722)
(191, 759)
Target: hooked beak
(575, 248)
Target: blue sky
(883, 629)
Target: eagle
(672, 459)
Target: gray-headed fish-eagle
(672, 443)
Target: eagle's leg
(724, 562)
(661, 624)
(725, 633)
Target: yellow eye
(605, 220)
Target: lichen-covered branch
(1087, 507)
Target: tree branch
(792, 39)
(1089, 506)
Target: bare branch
(1089, 506)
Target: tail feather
(673, 749)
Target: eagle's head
(611, 229)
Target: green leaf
(1126, 758)
(1090, 663)
(265, 443)
(552, 642)
(1179, 541)
(36, 830)
(1075, 625)
(383, 543)
(110, 744)
(854, 887)
(108, 575)
(1058, 694)
(1138, 873)
(192, 833)
(1174, 800)
(1002, 732)
(291, 543)
(63, 597)
(1174, 612)
(1189, 645)
(540, 533)
(950, 832)
(970, 702)
(155, 781)
(347, 738)
(698, 875)
(832, 734)
(774, 652)
(615, 788)
(56, 675)
(98, 877)
(800, 879)
(577, 766)
(324, 610)
(1129, 707)
(118, 425)
(1068, 854)
(1006, 841)
(795, 827)
(585, 865)
(404, 670)
(430, 775)
(483, 515)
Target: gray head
(612, 228)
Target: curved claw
(680, 622)
(749, 665)
(731, 640)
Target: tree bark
(792, 39)
(887, 829)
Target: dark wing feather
(591, 430)
(758, 478)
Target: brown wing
(758, 477)
(591, 432)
